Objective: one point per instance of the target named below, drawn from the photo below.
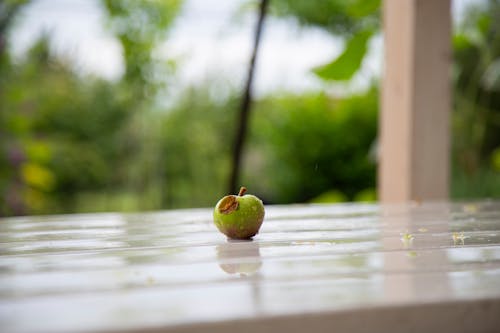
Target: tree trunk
(242, 124)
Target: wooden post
(415, 103)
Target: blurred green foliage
(60, 134)
(141, 26)
(339, 17)
(356, 21)
(64, 136)
(196, 146)
(74, 143)
(476, 118)
(349, 61)
(304, 145)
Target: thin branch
(245, 104)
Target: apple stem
(243, 189)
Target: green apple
(239, 216)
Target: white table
(312, 268)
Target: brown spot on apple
(228, 204)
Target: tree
(141, 26)
(61, 134)
(64, 134)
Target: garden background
(146, 138)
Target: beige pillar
(415, 103)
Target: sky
(210, 38)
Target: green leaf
(361, 8)
(348, 63)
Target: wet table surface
(357, 268)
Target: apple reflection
(239, 257)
